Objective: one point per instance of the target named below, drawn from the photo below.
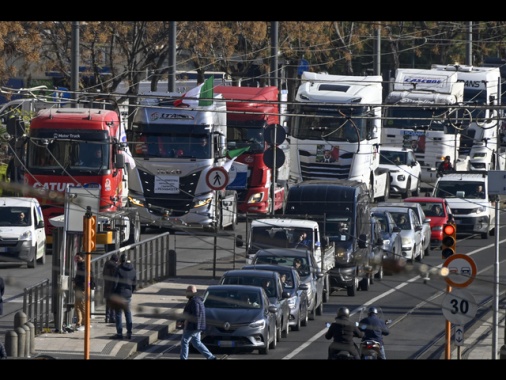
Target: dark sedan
(239, 317)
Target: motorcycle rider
(342, 330)
(374, 328)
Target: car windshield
(232, 299)
(286, 261)
(402, 220)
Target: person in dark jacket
(80, 290)
(3, 351)
(2, 290)
(125, 283)
(445, 166)
(194, 314)
(342, 331)
(108, 276)
(374, 328)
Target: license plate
(226, 343)
(458, 221)
(3, 249)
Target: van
(22, 234)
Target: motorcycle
(340, 354)
(370, 349)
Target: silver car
(391, 235)
(411, 231)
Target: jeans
(193, 336)
(124, 308)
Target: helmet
(343, 311)
(372, 310)
(448, 158)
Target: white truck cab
(22, 234)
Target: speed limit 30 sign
(459, 306)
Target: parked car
(411, 231)
(298, 301)
(439, 212)
(271, 282)
(392, 240)
(239, 317)
(420, 214)
(309, 272)
(404, 169)
(22, 234)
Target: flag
(123, 139)
(237, 152)
(201, 96)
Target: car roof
(394, 209)
(292, 252)
(250, 273)
(269, 267)
(235, 287)
(425, 199)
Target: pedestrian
(80, 291)
(445, 166)
(194, 314)
(108, 276)
(3, 351)
(125, 284)
(2, 290)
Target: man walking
(194, 314)
(125, 283)
(108, 275)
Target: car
(439, 212)
(425, 222)
(298, 301)
(411, 231)
(271, 281)
(392, 240)
(239, 317)
(22, 240)
(309, 272)
(405, 170)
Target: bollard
(20, 319)
(11, 344)
(92, 304)
(21, 341)
(32, 336)
(27, 341)
(172, 263)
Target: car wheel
(319, 309)
(305, 317)
(419, 258)
(427, 251)
(350, 290)
(42, 259)
(326, 291)
(416, 192)
(32, 263)
(407, 193)
(286, 331)
(312, 313)
(265, 350)
(274, 342)
(364, 284)
(484, 235)
(379, 274)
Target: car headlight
(260, 324)
(478, 210)
(202, 202)
(407, 240)
(292, 302)
(27, 235)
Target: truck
(59, 154)
(335, 131)
(282, 232)
(473, 212)
(342, 209)
(421, 113)
(175, 183)
(480, 145)
(250, 112)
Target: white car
(426, 230)
(411, 231)
(404, 169)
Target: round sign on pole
(269, 158)
(461, 270)
(217, 178)
(274, 134)
(459, 306)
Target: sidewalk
(156, 308)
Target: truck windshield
(170, 145)
(459, 189)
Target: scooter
(342, 354)
(370, 349)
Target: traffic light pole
(89, 245)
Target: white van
(22, 234)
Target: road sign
(269, 158)
(274, 134)
(461, 270)
(217, 178)
(459, 335)
(459, 306)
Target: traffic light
(449, 241)
(89, 233)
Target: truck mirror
(120, 161)
(362, 241)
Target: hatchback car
(298, 300)
(411, 231)
(425, 222)
(439, 212)
(392, 240)
(404, 170)
(239, 317)
(271, 282)
(309, 272)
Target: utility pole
(74, 69)
(171, 82)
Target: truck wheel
(350, 290)
(379, 275)
(484, 235)
(326, 290)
